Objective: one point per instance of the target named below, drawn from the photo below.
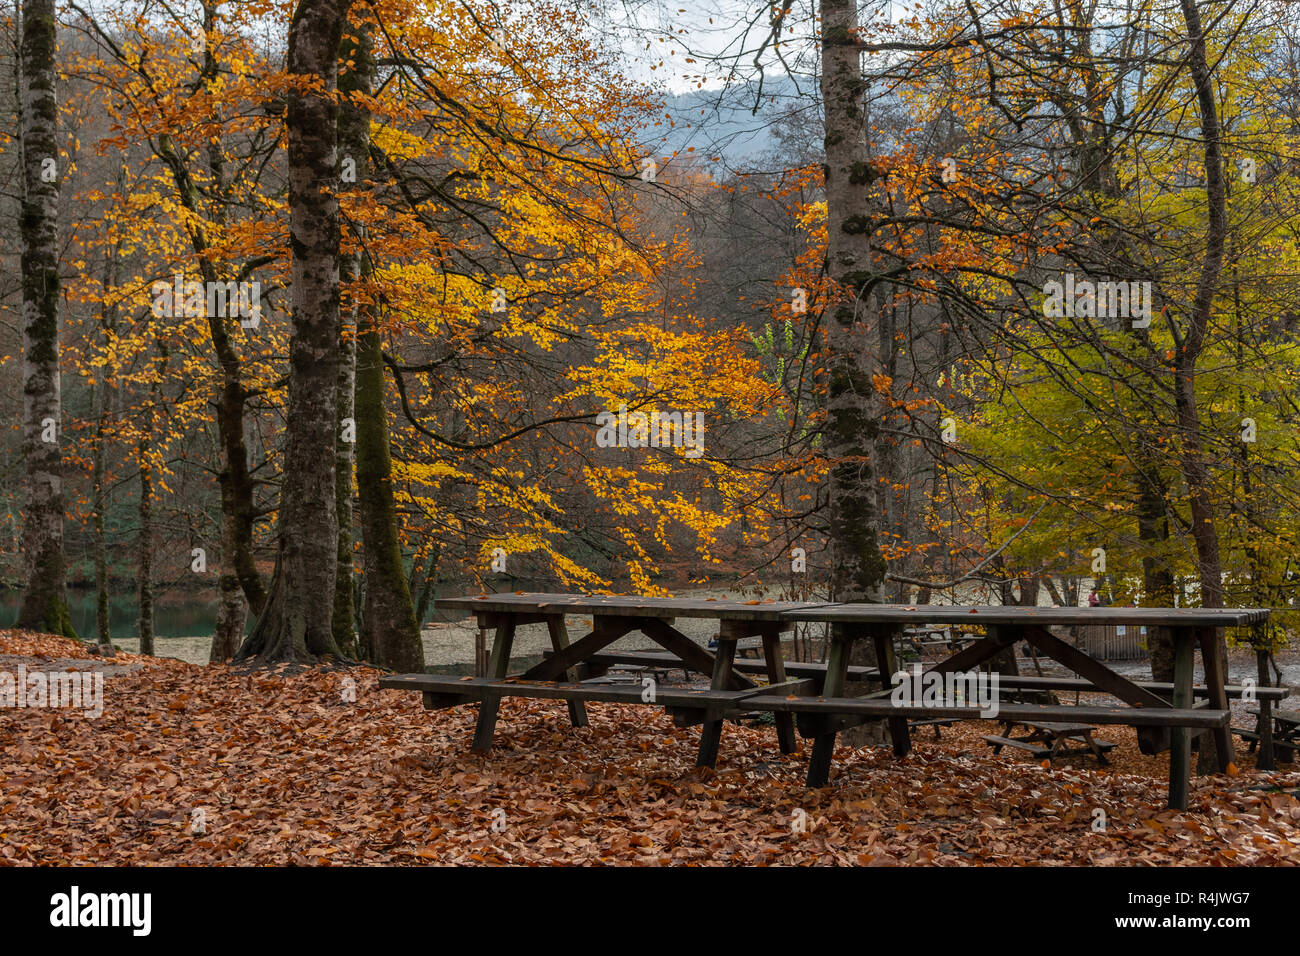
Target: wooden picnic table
(1285, 736)
(820, 708)
(1048, 738)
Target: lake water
(187, 614)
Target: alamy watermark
(194, 299)
(656, 429)
(80, 689)
(75, 908)
(953, 689)
(1103, 299)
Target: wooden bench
(687, 706)
(817, 671)
(935, 722)
(1048, 739)
(1285, 736)
(1160, 688)
(1285, 749)
(817, 715)
(598, 663)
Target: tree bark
(103, 630)
(852, 347)
(354, 143)
(391, 631)
(1157, 575)
(1195, 470)
(45, 602)
(232, 606)
(852, 422)
(145, 580)
(296, 624)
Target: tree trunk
(296, 624)
(146, 543)
(45, 602)
(852, 347)
(390, 633)
(429, 585)
(354, 143)
(858, 569)
(103, 630)
(1157, 575)
(232, 607)
(1195, 470)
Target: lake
(176, 614)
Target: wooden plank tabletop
(632, 605)
(1043, 616)
(625, 605)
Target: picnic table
(1048, 738)
(817, 704)
(1285, 737)
(923, 639)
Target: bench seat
(860, 673)
(820, 715)
(1039, 749)
(688, 705)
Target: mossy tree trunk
(45, 602)
(852, 413)
(354, 143)
(391, 632)
(852, 417)
(296, 624)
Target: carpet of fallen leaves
(286, 771)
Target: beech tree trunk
(391, 631)
(852, 420)
(1195, 470)
(354, 142)
(99, 399)
(852, 348)
(145, 580)
(45, 602)
(297, 625)
(232, 606)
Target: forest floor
(277, 767)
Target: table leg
(1215, 677)
(776, 675)
(887, 661)
(837, 668)
(498, 668)
(1180, 738)
(711, 736)
(1057, 741)
(559, 641)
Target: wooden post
(559, 641)
(498, 668)
(776, 675)
(837, 665)
(1215, 678)
(480, 652)
(1180, 744)
(887, 662)
(1265, 728)
(711, 737)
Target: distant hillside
(787, 124)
